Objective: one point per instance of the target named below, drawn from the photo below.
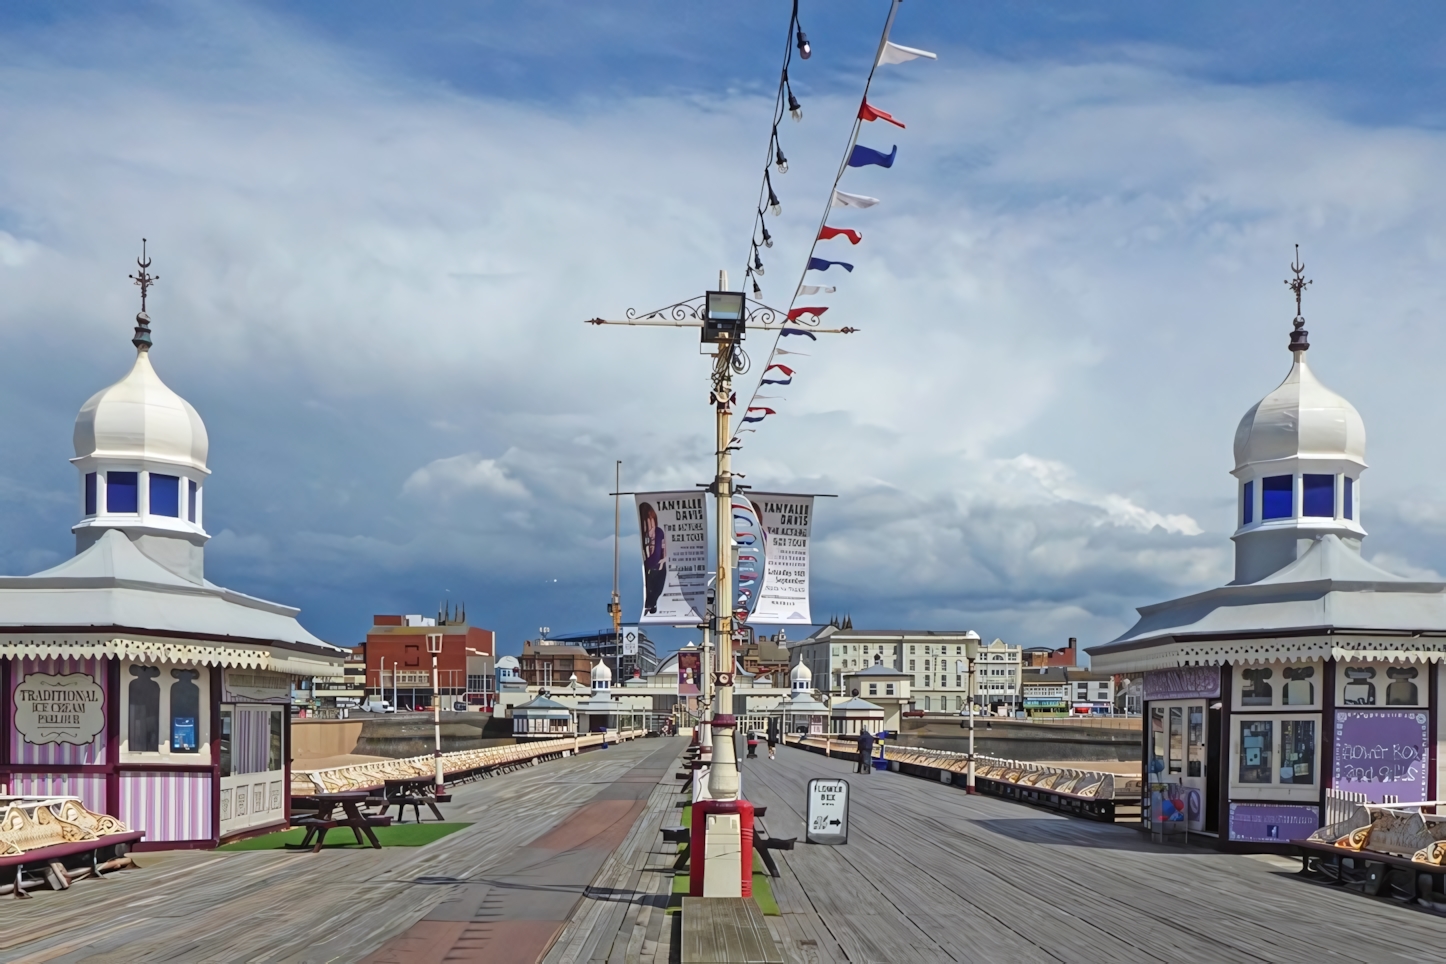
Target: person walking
(772, 737)
(866, 750)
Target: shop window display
(1256, 740)
(1297, 751)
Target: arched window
(143, 729)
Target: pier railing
(366, 776)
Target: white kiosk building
(130, 680)
(1313, 671)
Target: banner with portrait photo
(785, 521)
(674, 531)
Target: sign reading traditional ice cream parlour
(59, 709)
(255, 686)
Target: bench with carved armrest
(62, 839)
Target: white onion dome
(601, 673)
(801, 674)
(139, 417)
(1300, 419)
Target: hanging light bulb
(773, 204)
(779, 160)
(795, 109)
(757, 263)
(767, 238)
(757, 291)
(805, 49)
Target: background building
(936, 661)
(1044, 656)
(997, 676)
(547, 663)
(604, 645)
(398, 665)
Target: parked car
(378, 706)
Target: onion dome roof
(139, 417)
(1300, 418)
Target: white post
(969, 784)
(437, 723)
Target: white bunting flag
(897, 53)
(816, 289)
(846, 200)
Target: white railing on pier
(1341, 805)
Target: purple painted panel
(1182, 683)
(1381, 751)
(1272, 822)
(89, 787)
(167, 805)
(24, 752)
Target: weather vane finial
(144, 279)
(1298, 284)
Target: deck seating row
(1387, 851)
(56, 841)
(458, 766)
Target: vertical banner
(690, 672)
(785, 522)
(628, 637)
(674, 531)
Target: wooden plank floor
(269, 906)
(932, 874)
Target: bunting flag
(846, 200)
(819, 264)
(826, 232)
(750, 417)
(816, 289)
(862, 156)
(898, 54)
(747, 577)
(785, 351)
(787, 378)
(796, 313)
(797, 331)
(868, 112)
(747, 558)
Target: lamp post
(434, 646)
(969, 782)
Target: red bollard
(698, 841)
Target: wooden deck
(933, 874)
(344, 905)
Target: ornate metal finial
(144, 279)
(1298, 284)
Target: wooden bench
(1372, 872)
(726, 930)
(64, 850)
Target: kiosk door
(1177, 730)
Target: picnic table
(415, 792)
(321, 815)
(761, 844)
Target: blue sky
(378, 229)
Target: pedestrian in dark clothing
(752, 744)
(866, 750)
(772, 737)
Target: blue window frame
(191, 502)
(90, 493)
(121, 489)
(1350, 497)
(1277, 493)
(1247, 514)
(166, 495)
(1318, 496)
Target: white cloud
(1069, 295)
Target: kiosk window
(1256, 739)
(224, 744)
(1297, 751)
(273, 755)
(143, 728)
(1177, 739)
(1196, 763)
(185, 711)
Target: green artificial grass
(397, 835)
(687, 815)
(762, 891)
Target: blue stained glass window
(166, 495)
(1276, 495)
(120, 492)
(90, 493)
(191, 503)
(1350, 497)
(1318, 496)
(1248, 493)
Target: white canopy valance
(1168, 653)
(277, 659)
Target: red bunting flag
(796, 313)
(827, 232)
(867, 112)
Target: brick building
(550, 665)
(399, 666)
